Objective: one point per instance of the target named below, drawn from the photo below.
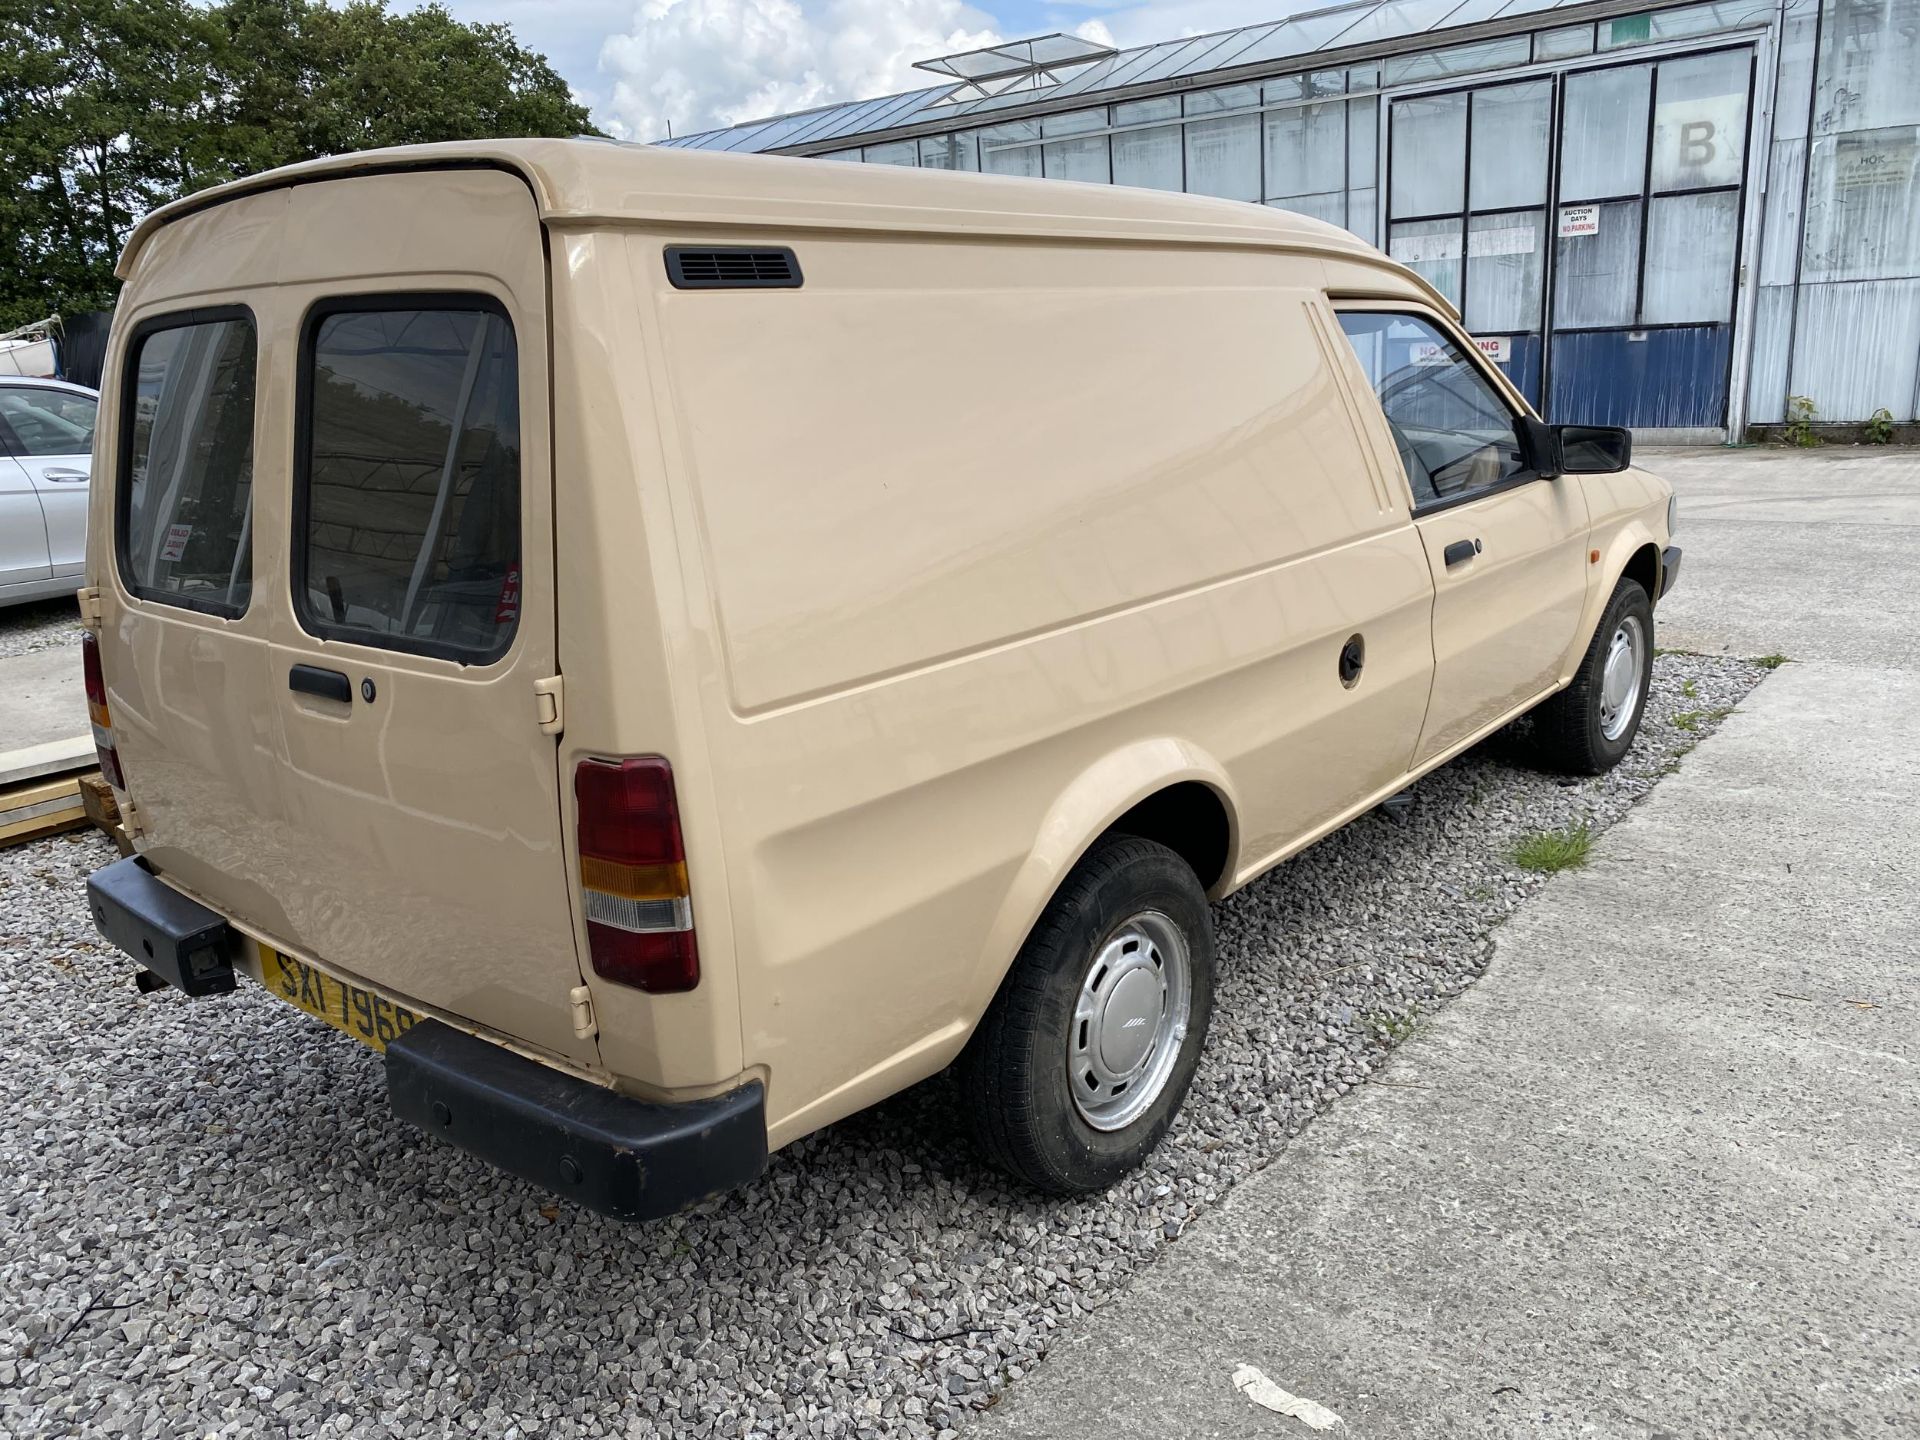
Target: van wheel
(1086, 1053)
(1587, 727)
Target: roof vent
(1014, 66)
(732, 267)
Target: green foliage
(109, 108)
(1800, 416)
(1552, 850)
(1689, 719)
(1772, 662)
(1879, 427)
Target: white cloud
(702, 63)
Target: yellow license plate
(369, 1018)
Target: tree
(109, 108)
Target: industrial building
(1685, 218)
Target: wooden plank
(96, 798)
(32, 810)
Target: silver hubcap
(1620, 681)
(1129, 1021)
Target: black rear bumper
(1669, 569)
(609, 1152)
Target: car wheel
(1085, 1055)
(1587, 727)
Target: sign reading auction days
(1579, 220)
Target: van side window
(184, 501)
(407, 476)
(1455, 433)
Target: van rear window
(407, 482)
(185, 497)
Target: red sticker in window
(508, 610)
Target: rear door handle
(1461, 551)
(62, 475)
(327, 684)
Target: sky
(644, 65)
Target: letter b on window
(1696, 144)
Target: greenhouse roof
(1038, 73)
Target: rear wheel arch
(1162, 789)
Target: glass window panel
(1330, 207)
(1363, 77)
(1149, 158)
(950, 152)
(1593, 275)
(188, 501)
(1223, 157)
(1673, 24)
(1160, 107)
(1428, 154)
(1363, 121)
(1431, 248)
(1287, 87)
(1307, 149)
(1231, 97)
(1459, 60)
(1454, 433)
(1082, 159)
(1603, 137)
(1074, 122)
(1560, 44)
(1508, 165)
(1001, 154)
(41, 422)
(1506, 257)
(1700, 121)
(1327, 82)
(1363, 217)
(1690, 258)
(1394, 19)
(894, 152)
(410, 487)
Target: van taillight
(97, 711)
(633, 868)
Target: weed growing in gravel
(1773, 662)
(1392, 1029)
(1689, 720)
(1549, 851)
(1689, 688)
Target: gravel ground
(40, 626)
(213, 1225)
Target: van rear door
(343, 750)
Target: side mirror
(1542, 446)
(1594, 449)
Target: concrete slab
(42, 698)
(1658, 1174)
(1808, 553)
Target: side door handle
(1461, 551)
(64, 475)
(314, 680)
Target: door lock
(1353, 657)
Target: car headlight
(1673, 515)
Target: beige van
(673, 647)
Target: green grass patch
(1772, 662)
(1551, 851)
(1689, 720)
(1690, 688)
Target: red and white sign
(176, 546)
(1579, 220)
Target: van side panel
(975, 517)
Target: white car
(46, 460)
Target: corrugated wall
(1838, 318)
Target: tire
(1073, 1134)
(1580, 731)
